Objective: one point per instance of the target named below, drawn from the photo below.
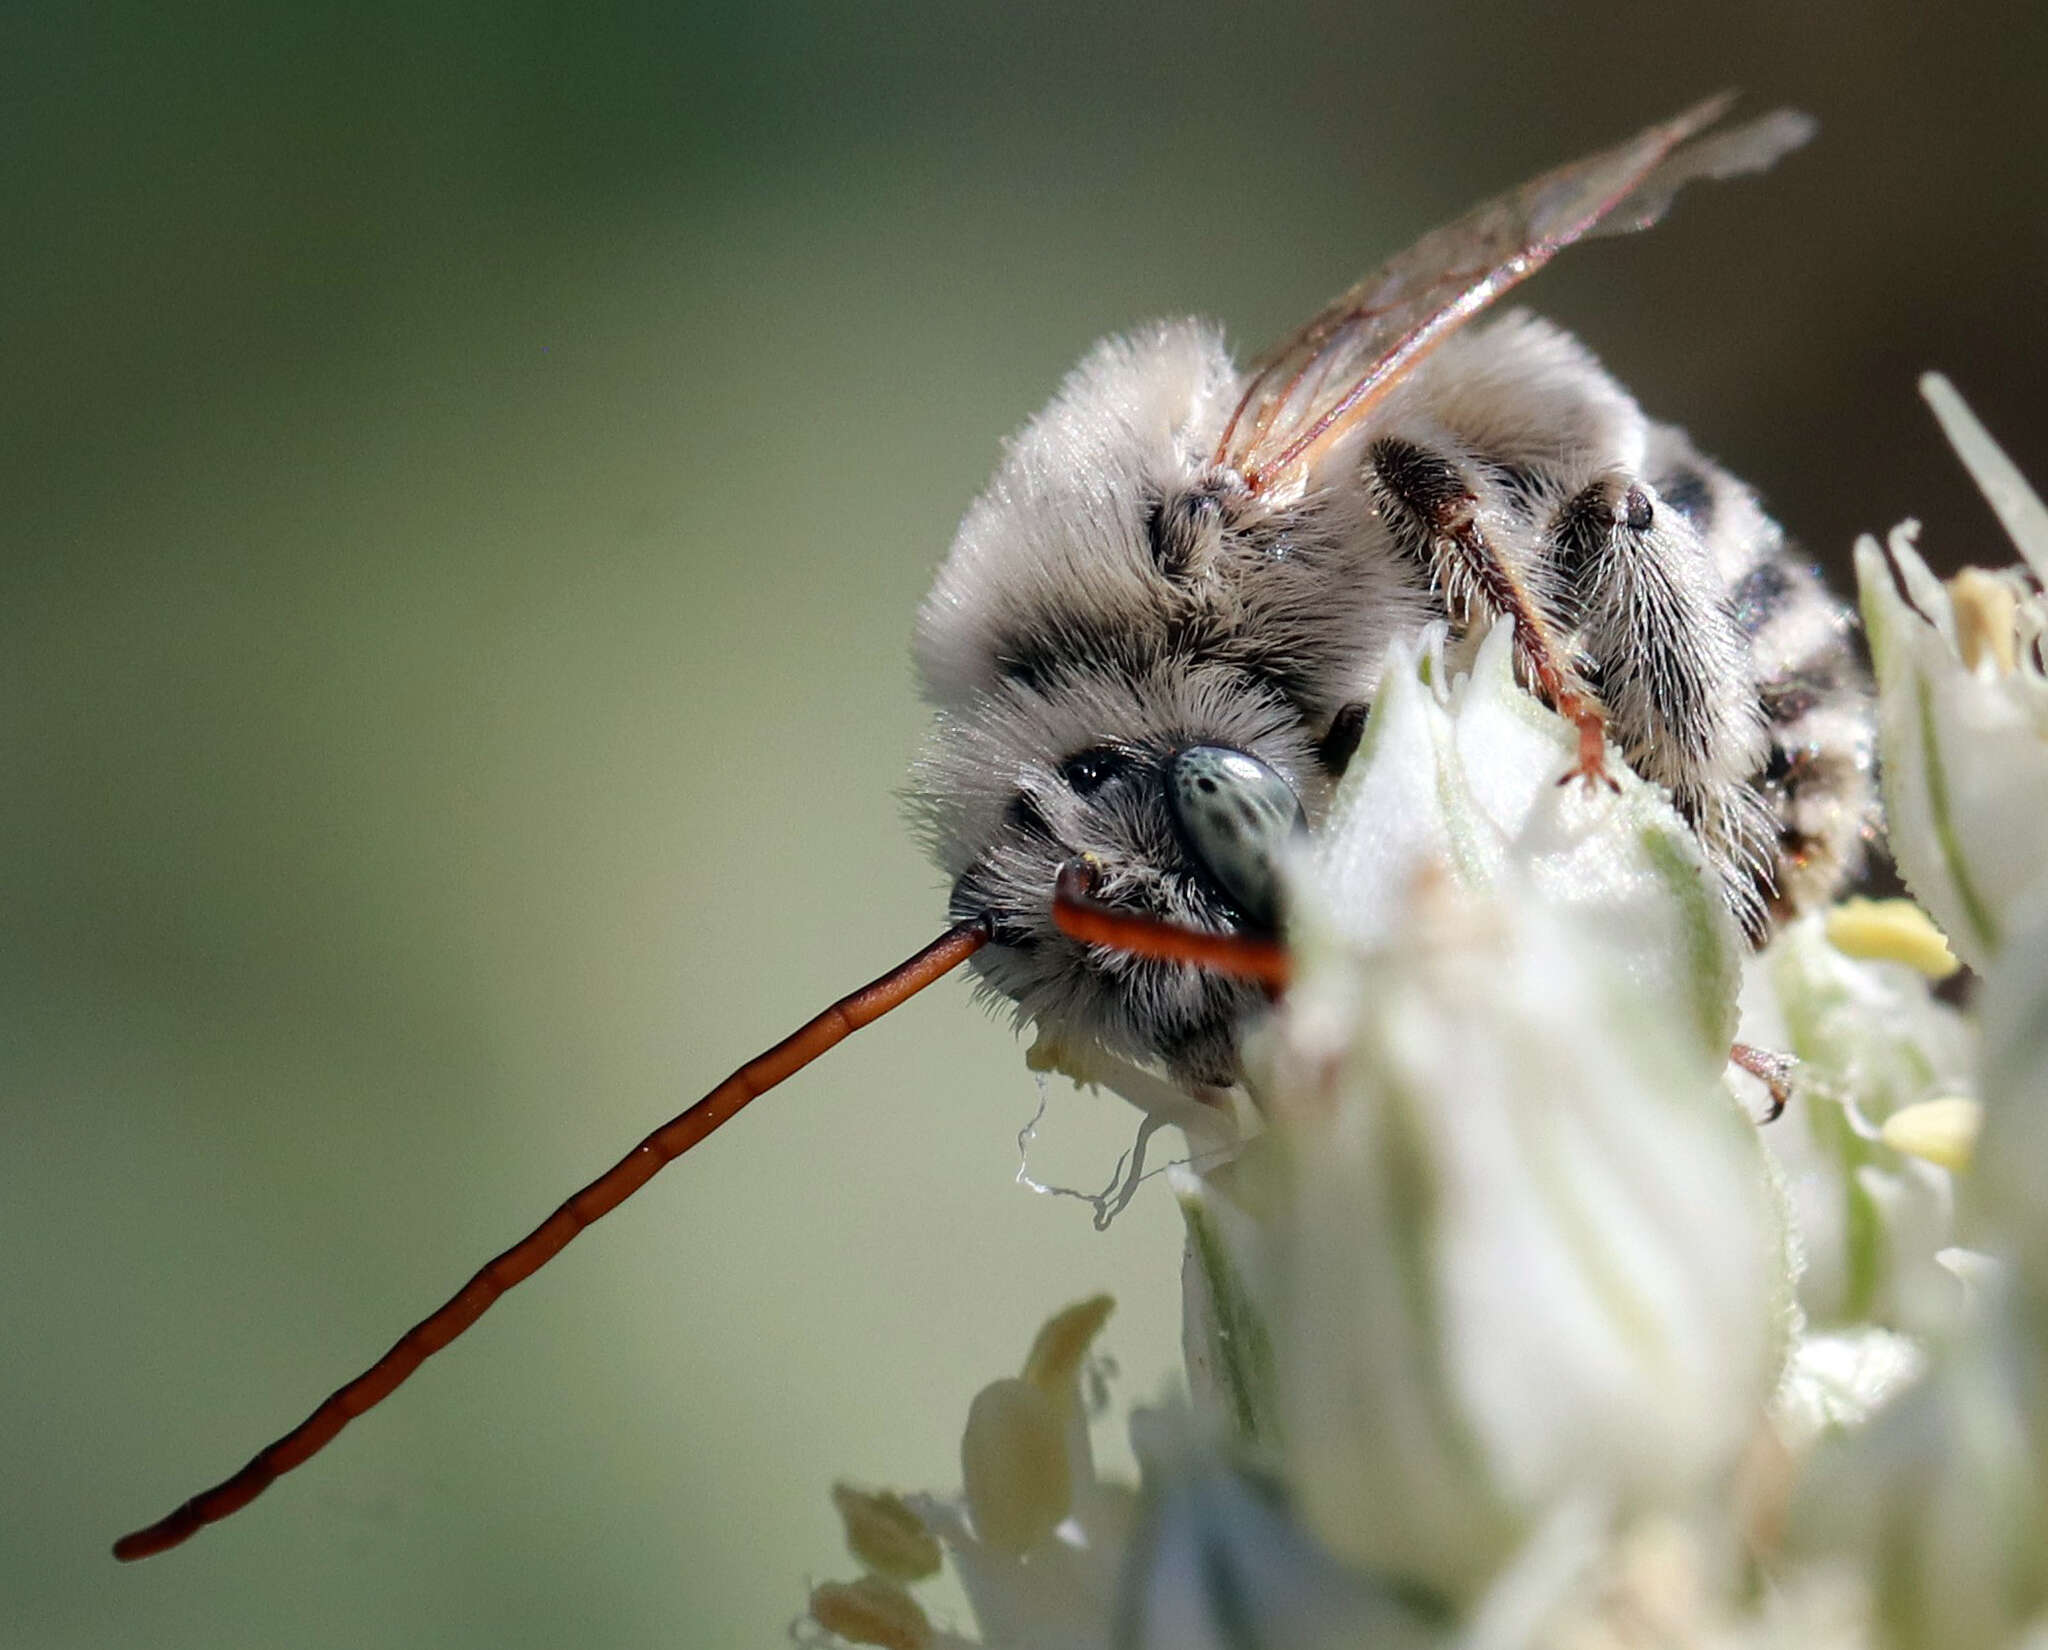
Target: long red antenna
(547, 1240)
(1080, 916)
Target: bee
(1155, 641)
(1159, 631)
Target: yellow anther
(884, 1534)
(872, 1610)
(1891, 930)
(1013, 1463)
(1055, 1357)
(1986, 609)
(1942, 1131)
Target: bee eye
(1234, 816)
(1090, 770)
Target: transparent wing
(1318, 384)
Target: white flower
(1511, 1242)
(1458, 777)
(1205, 1557)
(1528, 1248)
(1963, 706)
(1942, 1503)
(1939, 1504)
(1219, 1563)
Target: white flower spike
(1509, 1238)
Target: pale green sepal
(1225, 1341)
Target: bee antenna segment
(546, 1240)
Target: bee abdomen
(1815, 693)
(1816, 781)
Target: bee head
(1176, 825)
(1130, 664)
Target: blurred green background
(468, 474)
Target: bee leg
(1769, 1068)
(1657, 631)
(1433, 509)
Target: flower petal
(1218, 1563)
(1458, 777)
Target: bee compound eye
(1234, 815)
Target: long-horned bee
(1156, 640)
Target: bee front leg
(1433, 510)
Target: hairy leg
(1433, 507)
(1659, 634)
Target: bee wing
(1318, 384)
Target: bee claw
(1594, 777)
(1772, 1069)
(1591, 766)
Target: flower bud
(885, 1535)
(1013, 1463)
(872, 1610)
(1456, 779)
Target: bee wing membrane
(1319, 383)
